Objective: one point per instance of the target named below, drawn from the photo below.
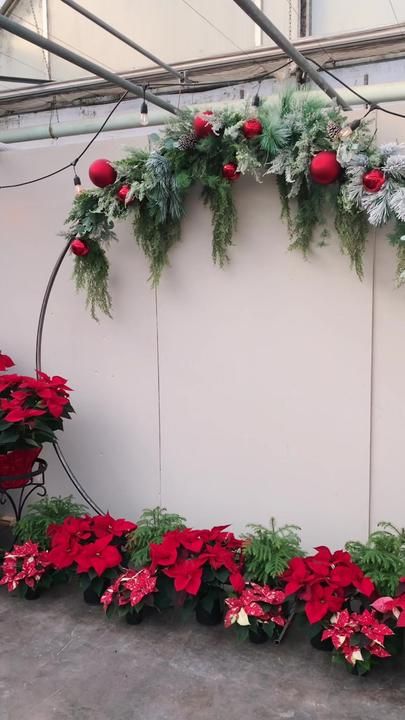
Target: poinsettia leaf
(268, 628)
(222, 575)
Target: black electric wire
(76, 160)
(373, 106)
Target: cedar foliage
(268, 550)
(151, 527)
(382, 557)
(47, 511)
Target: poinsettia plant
(200, 563)
(130, 592)
(90, 546)
(32, 409)
(256, 610)
(25, 568)
(392, 607)
(358, 639)
(325, 582)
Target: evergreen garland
(293, 131)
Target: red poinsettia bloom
(99, 556)
(130, 588)
(20, 414)
(107, 525)
(296, 575)
(217, 534)
(237, 581)
(186, 538)
(187, 575)
(24, 563)
(320, 601)
(219, 556)
(163, 554)
(344, 625)
(5, 362)
(72, 528)
(64, 554)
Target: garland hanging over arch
(321, 162)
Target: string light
(77, 183)
(144, 108)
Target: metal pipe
(106, 26)
(386, 92)
(274, 33)
(72, 57)
(38, 364)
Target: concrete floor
(62, 660)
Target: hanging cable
(373, 106)
(76, 160)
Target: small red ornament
(102, 173)
(202, 127)
(230, 171)
(79, 248)
(252, 128)
(122, 194)
(324, 168)
(373, 180)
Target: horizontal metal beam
(29, 81)
(106, 26)
(382, 93)
(274, 34)
(72, 57)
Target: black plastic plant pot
(91, 597)
(319, 644)
(32, 594)
(134, 618)
(258, 637)
(212, 617)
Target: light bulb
(144, 113)
(78, 184)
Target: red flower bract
(187, 575)
(5, 362)
(98, 556)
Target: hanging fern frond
(352, 228)
(91, 275)
(219, 199)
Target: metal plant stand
(36, 483)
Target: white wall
(274, 373)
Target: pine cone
(333, 130)
(188, 141)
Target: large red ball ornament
(79, 248)
(252, 128)
(202, 126)
(230, 171)
(102, 173)
(373, 180)
(122, 194)
(324, 168)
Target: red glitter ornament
(230, 171)
(324, 168)
(122, 194)
(79, 248)
(202, 127)
(252, 128)
(373, 180)
(102, 173)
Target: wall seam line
(371, 408)
(158, 396)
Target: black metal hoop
(38, 360)
(33, 485)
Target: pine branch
(224, 219)
(91, 275)
(351, 226)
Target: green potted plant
(382, 557)
(32, 410)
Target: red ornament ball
(230, 171)
(373, 180)
(324, 168)
(202, 127)
(102, 173)
(252, 128)
(122, 194)
(79, 248)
